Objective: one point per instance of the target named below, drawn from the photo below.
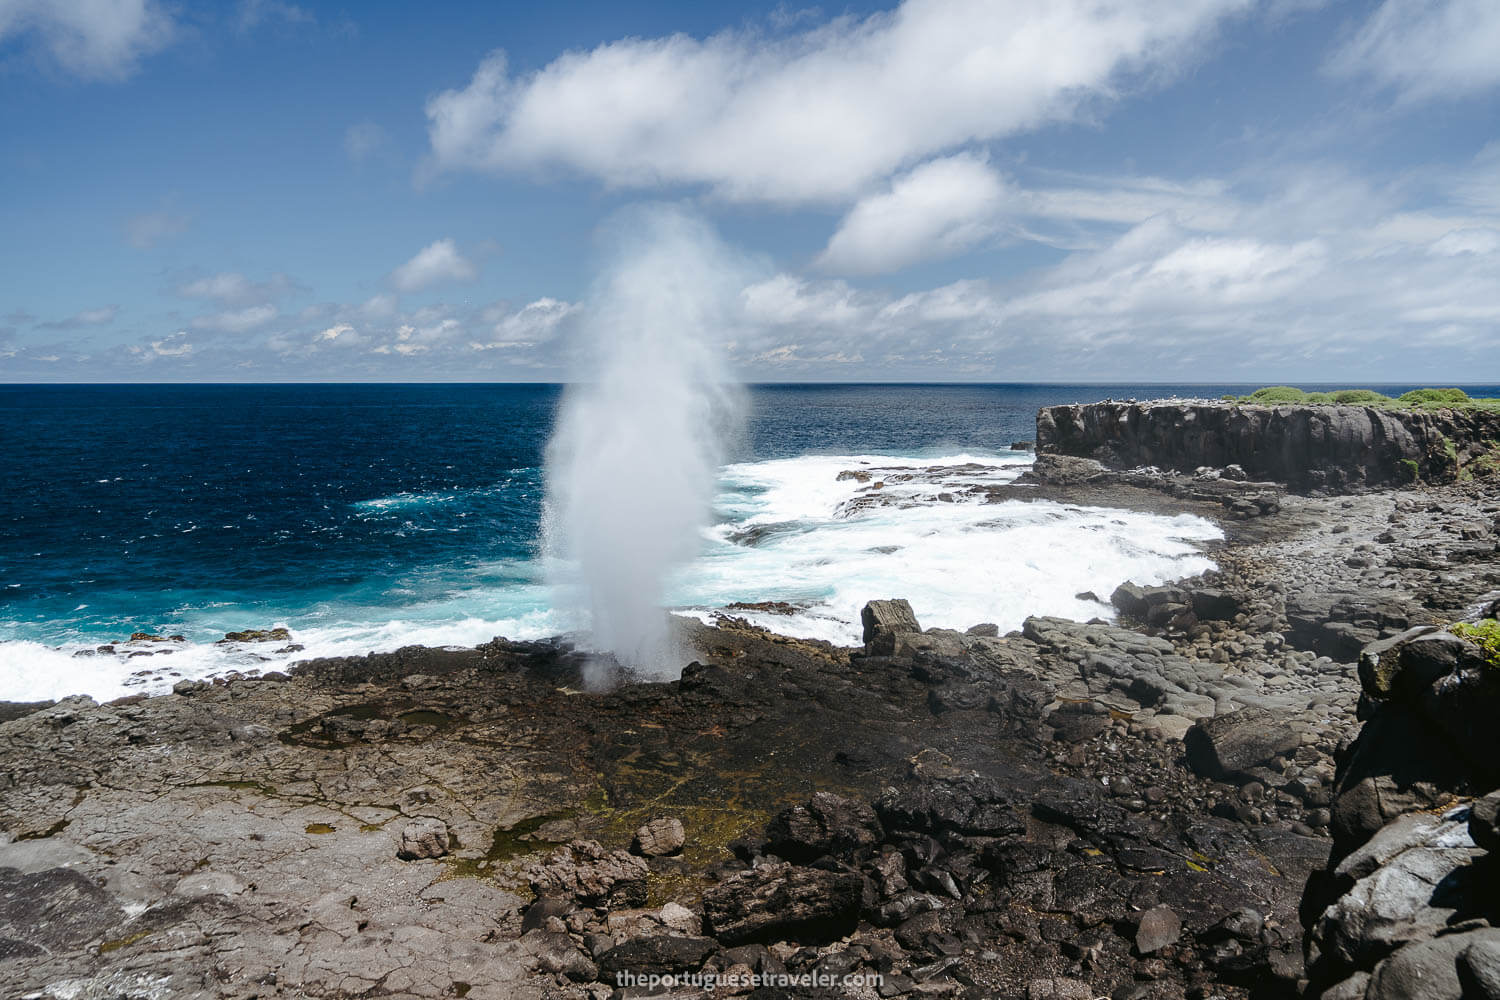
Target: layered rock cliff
(1307, 447)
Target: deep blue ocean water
(366, 516)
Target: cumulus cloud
(535, 323)
(949, 205)
(437, 263)
(1426, 49)
(149, 229)
(88, 317)
(173, 346)
(237, 320)
(233, 288)
(93, 39)
(375, 335)
(939, 209)
(819, 115)
(1358, 287)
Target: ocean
(369, 517)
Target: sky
(936, 190)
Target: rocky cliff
(1307, 447)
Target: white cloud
(437, 263)
(381, 306)
(1354, 288)
(534, 324)
(1427, 49)
(93, 39)
(88, 317)
(174, 346)
(1203, 205)
(947, 206)
(818, 115)
(233, 288)
(237, 320)
(939, 209)
(146, 230)
(1476, 241)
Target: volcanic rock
(425, 837)
(659, 838)
(585, 871)
(1230, 745)
(825, 824)
(782, 902)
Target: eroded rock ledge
(1331, 448)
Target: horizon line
(788, 382)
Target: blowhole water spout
(641, 435)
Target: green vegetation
(1485, 635)
(1409, 470)
(1435, 398)
(1281, 394)
(1358, 396)
(1487, 464)
(1417, 399)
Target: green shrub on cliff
(1435, 398)
(1359, 396)
(1276, 394)
(1417, 399)
(1485, 635)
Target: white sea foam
(960, 560)
(789, 530)
(405, 501)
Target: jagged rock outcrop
(1408, 904)
(1307, 447)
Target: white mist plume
(641, 432)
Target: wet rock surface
(961, 813)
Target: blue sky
(943, 189)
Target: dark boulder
(783, 902)
(1130, 600)
(972, 804)
(659, 954)
(1216, 605)
(256, 635)
(1484, 822)
(1429, 969)
(1228, 746)
(883, 621)
(825, 824)
(1406, 663)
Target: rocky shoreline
(1205, 791)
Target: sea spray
(641, 431)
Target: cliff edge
(1308, 447)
